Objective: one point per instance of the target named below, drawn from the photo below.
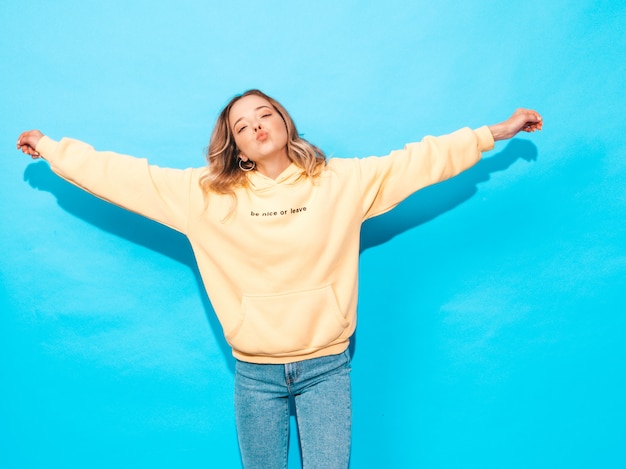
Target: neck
(273, 168)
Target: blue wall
(492, 306)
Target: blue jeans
(320, 388)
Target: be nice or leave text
(277, 213)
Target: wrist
(498, 131)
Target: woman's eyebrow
(260, 107)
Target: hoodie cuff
(46, 146)
(485, 138)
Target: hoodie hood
(259, 182)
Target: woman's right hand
(27, 142)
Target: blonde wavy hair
(223, 173)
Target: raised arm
(388, 180)
(161, 194)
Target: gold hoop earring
(246, 166)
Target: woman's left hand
(525, 120)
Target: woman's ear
(243, 157)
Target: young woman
(275, 230)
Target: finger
(531, 127)
(21, 140)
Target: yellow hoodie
(281, 271)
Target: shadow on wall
(436, 200)
(129, 226)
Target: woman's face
(259, 130)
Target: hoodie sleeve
(157, 193)
(386, 181)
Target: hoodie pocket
(301, 321)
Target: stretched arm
(388, 180)
(522, 120)
(161, 194)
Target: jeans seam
(286, 441)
